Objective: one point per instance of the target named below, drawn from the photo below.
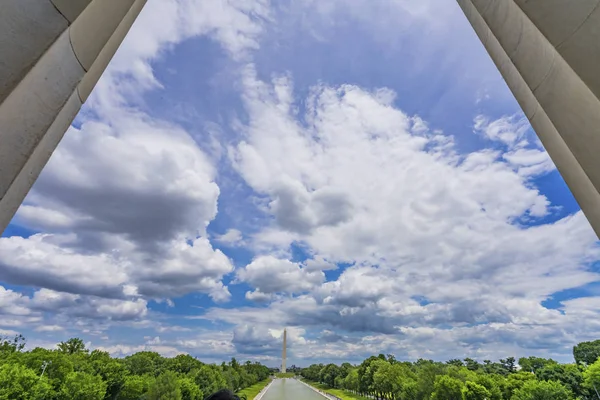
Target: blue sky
(355, 171)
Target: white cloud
(232, 237)
(125, 200)
(271, 275)
(435, 235)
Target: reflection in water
(291, 389)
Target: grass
(342, 394)
(251, 391)
(286, 375)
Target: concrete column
(284, 352)
(55, 53)
(561, 106)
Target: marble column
(548, 52)
(53, 53)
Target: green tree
(471, 364)
(135, 387)
(11, 345)
(112, 371)
(427, 373)
(567, 374)
(18, 382)
(72, 346)
(509, 364)
(591, 378)
(447, 388)
(473, 391)
(351, 380)
(82, 386)
(145, 362)
(189, 390)
(183, 363)
(209, 379)
(542, 390)
(165, 387)
(455, 362)
(534, 364)
(58, 365)
(515, 382)
(587, 352)
(491, 383)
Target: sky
(356, 171)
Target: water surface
(290, 389)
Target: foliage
(587, 352)
(542, 390)
(473, 391)
(11, 345)
(82, 386)
(447, 388)
(72, 346)
(591, 378)
(72, 372)
(135, 386)
(18, 382)
(383, 377)
(165, 387)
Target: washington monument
(283, 351)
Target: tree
(491, 385)
(509, 364)
(447, 388)
(386, 379)
(183, 363)
(567, 374)
(112, 371)
(329, 373)
(16, 344)
(165, 387)
(471, 364)
(534, 364)
(473, 391)
(542, 390)
(591, 378)
(58, 365)
(427, 373)
(209, 379)
(135, 386)
(455, 362)
(189, 390)
(18, 382)
(145, 362)
(587, 352)
(516, 381)
(82, 386)
(72, 346)
(351, 380)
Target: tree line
(531, 378)
(72, 372)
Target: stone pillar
(548, 51)
(53, 53)
(284, 352)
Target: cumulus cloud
(125, 200)
(434, 235)
(270, 275)
(232, 237)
